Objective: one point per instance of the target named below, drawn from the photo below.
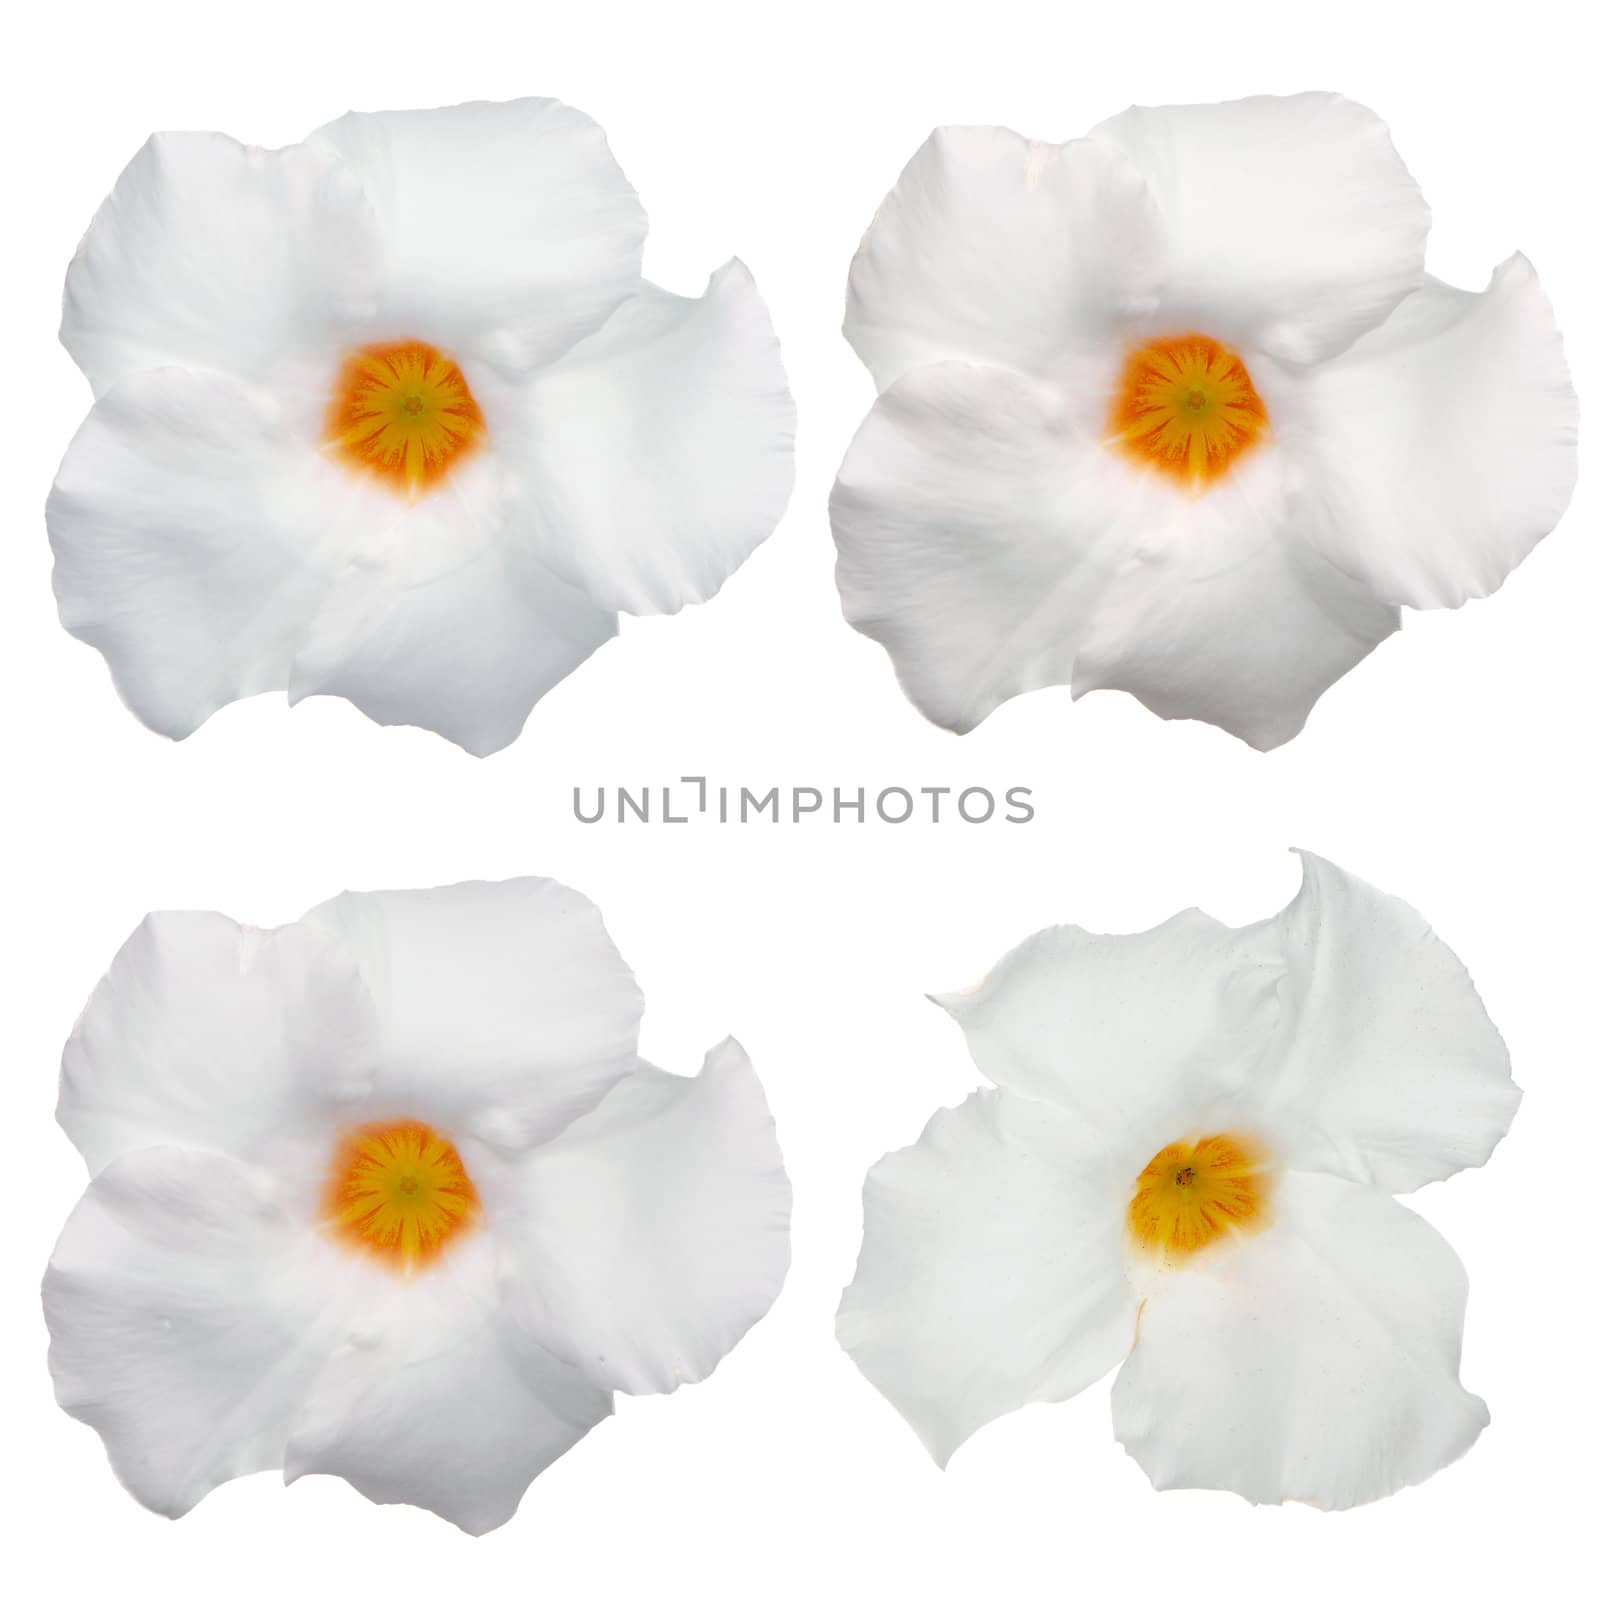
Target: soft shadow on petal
(215, 254)
(186, 1315)
(998, 249)
(977, 526)
(1446, 442)
(1389, 1071)
(505, 1010)
(1291, 224)
(1316, 1362)
(1142, 1036)
(433, 1399)
(465, 652)
(207, 1035)
(654, 1233)
(993, 1268)
(1249, 646)
(506, 227)
(659, 453)
(192, 540)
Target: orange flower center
(402, 412)
(398, 1191)
(1187, 407)
(1195, 1192)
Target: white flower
(387, 1193)
(1174, 409)
(391, 414)
(1188, 1167)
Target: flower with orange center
(387, 1193)
(399, 1192)
(1187, 408)
(1197, 1192)
(415, 428)
(404, 413)
(1174, 409)
(1285, 1327)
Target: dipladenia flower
(1174, 409)
(391, 414)
(387, 1193)
(1188, 1166)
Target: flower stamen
(1196, 1192)
(1187, 407)
(402, 412)
(398, 1191)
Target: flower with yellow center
(387, 1193)
(1174, 409)
(1188, 1166)
(391, 414)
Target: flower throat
(403, 413)
(1187, 408)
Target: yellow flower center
(398, 1191)
(404, 413)
(1195, 1192)
(1187, 407)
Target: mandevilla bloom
(1189, 1167)
(391, 414)
(387, 1193)
(1174, 409)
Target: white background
(1453, 768)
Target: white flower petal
(208, 1035)
(1144, 1036)
(1249, 646)
(432, 1399)
(1317, 1362)
(189, 547)
(993, 1269)
(214, 254)
(1392, 1073)
(465, 651)
(185, 1317)
(210, 552)
(660, 452)
(1292, 225)
(998, 249)
(654, 1233)
(504, 1009)
(977, 526)
(506, 227)
(1446, 441)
